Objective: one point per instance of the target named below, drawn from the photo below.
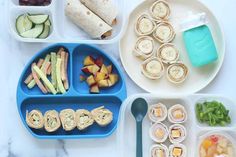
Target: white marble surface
(15, 141)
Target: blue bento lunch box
(77, 97)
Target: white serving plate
(127, 126)
(63, 30)
(198, 77)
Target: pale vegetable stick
(63, 65)
(45, 79)
(44, 70)
(32, 82)
(58, 72)
(53, 65)
(66, 82)
(38, 82)
(30, 77)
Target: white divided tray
(127, 125)
(62, 30)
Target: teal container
(200, 46)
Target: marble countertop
(15, 141)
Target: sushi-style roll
(144, 25)
(160, 10)
(158, 132)
(34, 119)
(52, 121)
(177, 114)
(102, 116)
(84, 119)
(177, 133)
(67, 117)
(159, 150)
(177, 150)
(157, 112)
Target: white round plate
(198, 78)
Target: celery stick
(32, 82)
(58, 72)
(45, 79)
(53, 65)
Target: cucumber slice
(23, 24)
(45, 32)
(33, 33)
(38, 19)
(48, 22)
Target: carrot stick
(66, 82)
(37, 81)
(30, 77)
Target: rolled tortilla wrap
(52, 121)
(87, 20)
(67, 117)
(84, 119)
(103, 8)
(102, 116)
(34, 119)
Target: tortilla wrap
(103, 8)
(87, 20)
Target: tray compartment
(59, 103)
(128, 133)
(17, 11)
(42, 54)
(79, 53)
(229, 104)
(71, 32)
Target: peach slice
(99, 61)
(91, 69)
(113, 78)
(94, 89)
(109, 69)
(100, 76)
(103, 83)
(90, 80)
(104, 69)
(89, 60)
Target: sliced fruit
(38, 19)
(45, 32)
(104, 69)
(89, 60)
(33, 33)
(94, 89)
(109, 83)
(23, 24)
(100, 76)
(90, 80)
(91, 69)
(109, 69)
(103, 83)
(113, 78)
(82, 78)
(99, 61)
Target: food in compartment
(84, 119)
(168, 53)
(35, 2)
(217, 145)
(164, 32)
(160, 10)
(102, 116)
(144, 25)
(177, 114)
(92, 21)
(177, 150)
(157, 112)
(158, 132)
(212, 113)
(159, 150)
(68, 119)
(144, 47)
(50, 74)
(98, 74)
(152, 68)
(34, 119)
(177, 72)
(33, 26)
(177, 133)
(107, 10)
(51, 121)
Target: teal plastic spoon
(139, 110)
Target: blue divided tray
(77, 97)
